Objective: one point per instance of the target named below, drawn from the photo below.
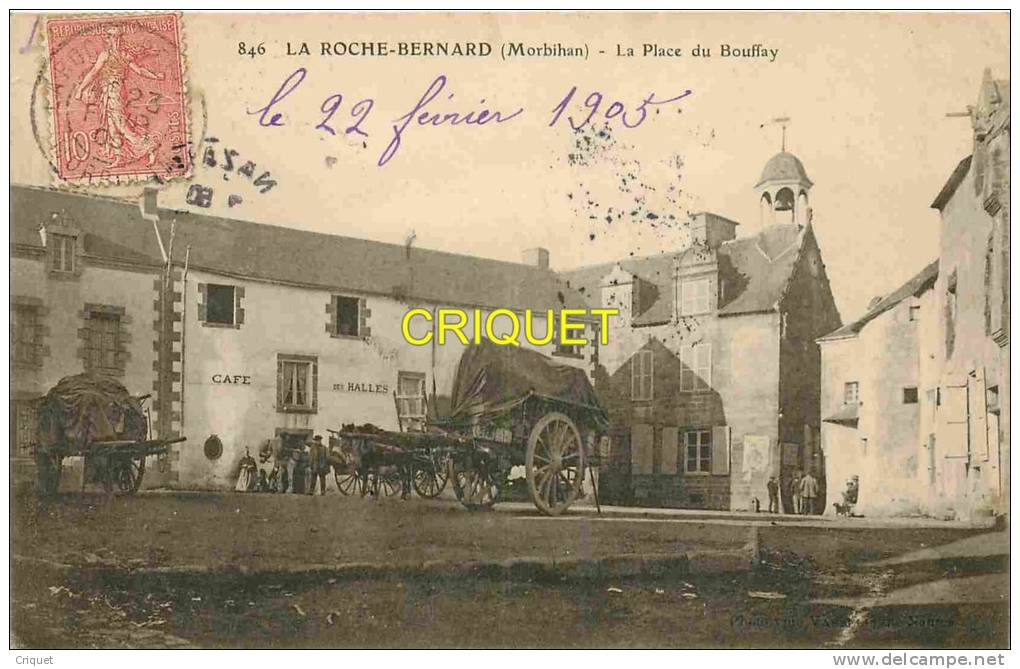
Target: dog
(843, 509)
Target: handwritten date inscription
(575, 110)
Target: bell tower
(783, 189)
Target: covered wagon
(95, 417)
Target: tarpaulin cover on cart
(495, 379)
(86, 408)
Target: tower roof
(784, 166)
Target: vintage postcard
(511, 330)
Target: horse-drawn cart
(511, 408)
(366, 459)
(95, 417)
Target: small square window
(915, 313)
(850, 395)
(910, 395)
(219, 304)
(348, 316)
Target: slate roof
(755, 271)
(784, 166)
(845, 415)
(920, 282)
(954, 181)
(114, 230)
(656, 270)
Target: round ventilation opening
(213, 447)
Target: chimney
(711, 230)
(536, 257)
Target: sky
(867, 96)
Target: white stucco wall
(287, 320)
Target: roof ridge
(613, 263)
(889, 300)
(127, 202)
(245, 249)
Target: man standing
(773, 487)
(297, 468)
(795, 488)
(318, 464)
(808, 492)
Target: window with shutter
(696, 368)
(24, 431)
(977, 410)
(950, 312)
(641, 449)
(694, 296)
(102, 342)
(721, 450)
(25, 331)
(670, 448)
(953, 424)
(698, 451)
(641, 376)
(411, 406)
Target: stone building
(711, 372)
(915, 395)
(250, 331)
(970, 436)
(80, 300)
(877, 373)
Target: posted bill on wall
(447, 330)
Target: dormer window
(694, 296)
(62, 253)
(62, 238)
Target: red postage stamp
(118, 99)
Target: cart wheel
(48, 466)
(348, 483)
(389, 483)
(129, 475)
(476, 483)
(430, 480)
(554, 463)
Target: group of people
(295, 468)
(803, 491)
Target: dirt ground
(774, 605)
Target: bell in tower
(783, 189)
